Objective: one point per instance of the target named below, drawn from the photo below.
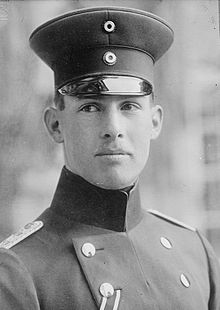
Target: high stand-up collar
(80, 201)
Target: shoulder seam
(171, 219)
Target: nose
(112, 125)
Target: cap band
(107, 85)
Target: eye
(89, 108)
(130, 106)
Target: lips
(112, 152)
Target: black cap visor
(107, 85)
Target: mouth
(113, 155)
(110, 152)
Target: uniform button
(166, 243)
(106, 290)
(109, 58)
(109, 26)
(88, 249)
(184, 280)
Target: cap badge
(109, 26)
(109, 58)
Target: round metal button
(166, 243)
(106, 290)
(184, 280)
(88, 249)
(109, 58)
(109, 26)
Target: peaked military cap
(102, 50)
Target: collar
(80, 201)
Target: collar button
(88, 250)
(166, 243)
(106, 290)
(184, 280)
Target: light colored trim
(117, 299)
(170, 219)
(103, 304)
(22, 234)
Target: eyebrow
(99, 98)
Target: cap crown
(74, 44)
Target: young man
(95, 248)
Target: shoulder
(26, 231)
(9, 260)
(170, 220)
(16, 281)
(187, 238)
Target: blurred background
(182, 177)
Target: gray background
(182, 177)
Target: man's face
(107, 138)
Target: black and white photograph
(110, 155)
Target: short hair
(152, 98)
(59, 101)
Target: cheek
(79, 138)
(141, 143)
(141, 133)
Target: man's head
(106, 139)
(104, 114)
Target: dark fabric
(17, 289)
(48, 270)
(89, 204)
(74, 44)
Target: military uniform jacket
(98, 249)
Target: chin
(114, 183)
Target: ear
(157, 120)
(51, 121)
